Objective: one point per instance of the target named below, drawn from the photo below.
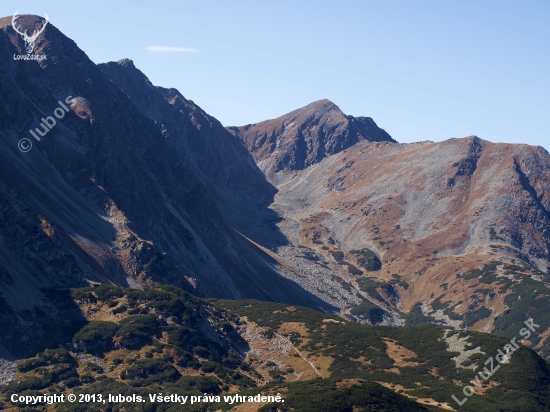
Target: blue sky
(423, 70)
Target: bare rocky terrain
(449, 222)
(7, 366)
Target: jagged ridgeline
(164, 340)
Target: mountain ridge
(110, 196)
(459, 227)
(228, 166)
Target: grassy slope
(359, 351)
(166, 340)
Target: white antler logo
(29, 40)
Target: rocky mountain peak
(126, 63)
(305, 136)
(319, 107)
(27, 20)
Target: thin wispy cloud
(169, 49)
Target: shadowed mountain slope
(214, 151)
(113, 193)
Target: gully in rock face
(49, 122)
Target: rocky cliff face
(306, 136)
(209, 147)
(128, 187)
